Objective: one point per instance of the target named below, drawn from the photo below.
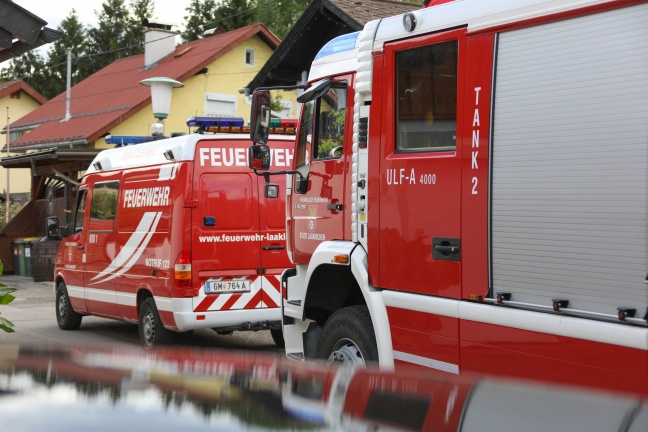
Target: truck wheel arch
(360, 291)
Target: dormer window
(249, 56)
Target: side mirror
(52, 228)
(316, 90)
(259, 157)
(260, 119)
(301, 185)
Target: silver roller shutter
(569, 162)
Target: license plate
(227, 286)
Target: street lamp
(161, 89)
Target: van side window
(330, 123)
(426, 98)
(78, 215)
(103, 206)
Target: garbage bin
(43, 253)
(19, 257)
(27, 244)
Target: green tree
(107, 41)
(233, 14)
(200, 13)
(134, 36)
(29, 67)
(75, 37)
(280, 16)
(5, 298)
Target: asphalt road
(32, 313)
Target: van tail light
(182, 274)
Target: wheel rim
(62, 306)
(346, 351)
(149, 328)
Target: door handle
(335, 207)
(273, 247)
(445, 248)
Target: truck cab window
(330, 123)
(78, 218)
(426, 94)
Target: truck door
(319, 205)
(420, 172)
(73, 255)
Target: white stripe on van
(137, 242)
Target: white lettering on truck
(475, 141)
(218, 157)
(147, 197)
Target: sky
(166, 11)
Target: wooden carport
(55, 175)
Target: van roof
(153, 152)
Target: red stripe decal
(204, 305)
(254, 302)
(276, 283)
(268, 301)
(229, 303)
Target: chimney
(159, 42)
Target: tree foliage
(108, 41)
(278, 15)
(74, 37)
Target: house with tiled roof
(59, 139)
(18, 99)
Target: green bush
(5, 298)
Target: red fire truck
(175, 235)
(469, 193)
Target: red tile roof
(110, 96)
(6, 88)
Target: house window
(15, 95)
(249, 56)
(218, 104)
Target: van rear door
(226, 240)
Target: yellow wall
(227, 75)
(19, 179)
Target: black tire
(277, 337)
(151, 330)
(66, 317)
(348, 337)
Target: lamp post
(161, 89)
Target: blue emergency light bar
(128, 139)
(339, 44)
(214, 121)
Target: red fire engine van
(174, 235)
(469, 194)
